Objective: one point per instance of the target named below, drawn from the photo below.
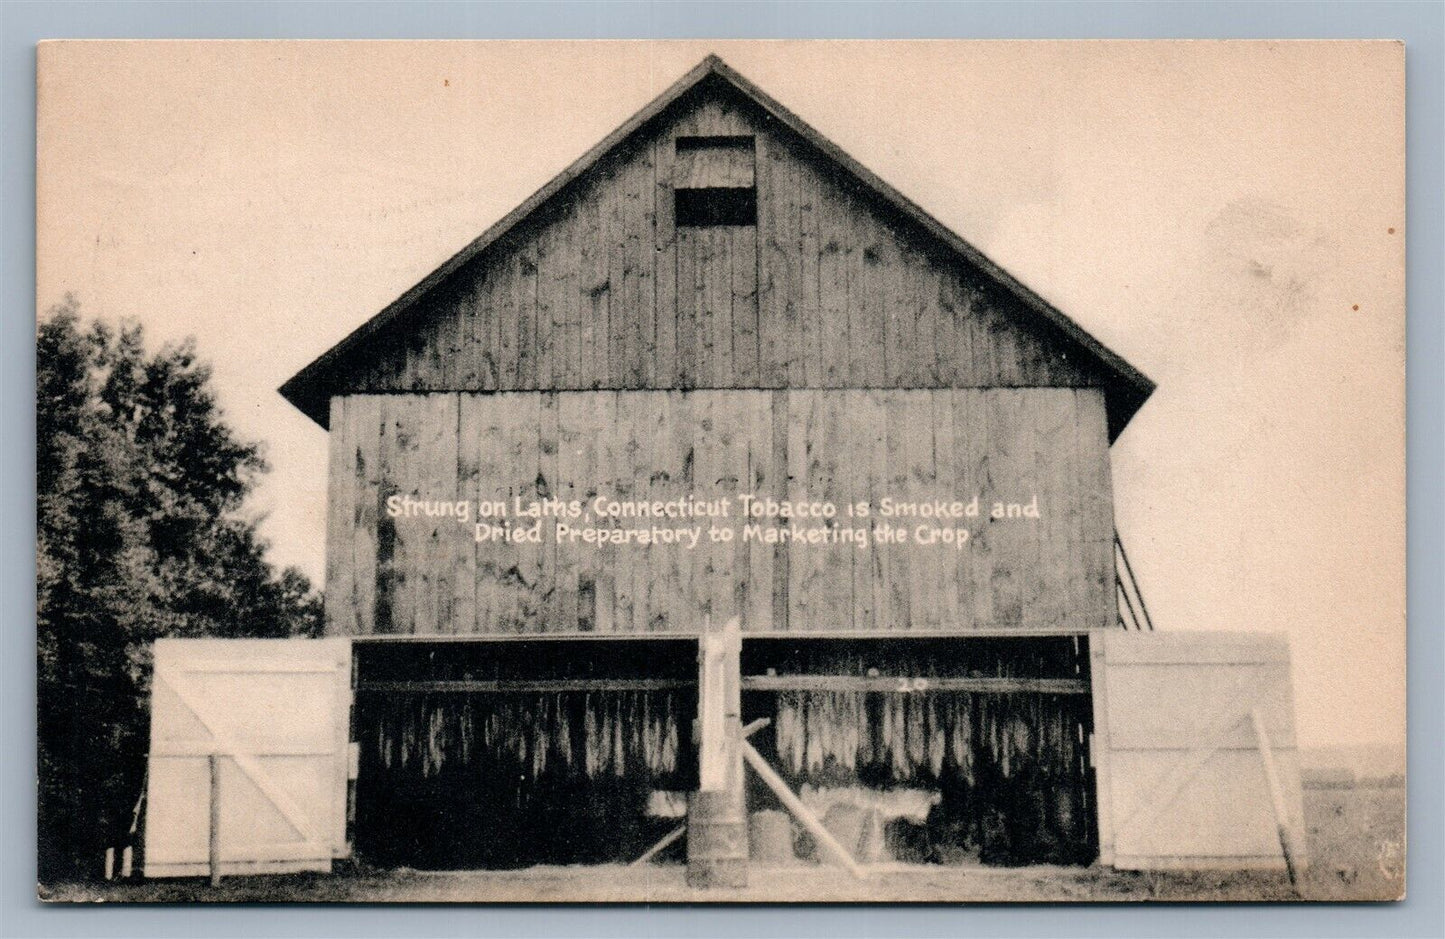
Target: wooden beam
(912, 685)
(854, 683)
(1276, 795)
(214, 843)
(718, 707)
(519, 686)
(800, 811)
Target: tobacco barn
(716, 301)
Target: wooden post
(717, 849)
(215, 837)
(1276, 795)
(804, 815)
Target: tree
(140, 534)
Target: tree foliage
(141, 534)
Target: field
(1356, 843)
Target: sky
(1229, 217)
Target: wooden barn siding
(429, 576)
(600, 290)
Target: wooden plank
(873, 441)
(833, 587)
(801, 812)
(631, 560)
(973, 432)
(342, 494)
(771, 281)
(900, 556)
(213, 839)
(1004, 420)
(468, 357)
(918, 477)
(548, 305)
(733, 424)
(833, 287)
(548, 485)
(594, 344)
(1058, 509)
(800, 420)
(665, 279)
(573, 483)
(537, 561)
(642, 255)
(867, 263)
(711, 562)
(743, 285)
(1097, 510)
(622, 354)
(604, 426)
(903, 684)
(687, 613)
(524, 686)
(932, 335)
(583, 417)
(470, 430)
(442, 459)
(946, 462)
(662, 844)
(690, 352)
(715, 271)
(392, 614)
(495, 483)
(1100, 744)
(810, 278)
(517, 564)
(365, 413)
(1037, 575)
(1276, 795)
(718, 654)
(758, 609)
(485, 328)
(779, 410)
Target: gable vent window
(714, 182)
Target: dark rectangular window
(739, 143)
(714, 180)
(716, 206)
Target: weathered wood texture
(600, 289)
(420, 575)
(1180, 777)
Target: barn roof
(1126, 387)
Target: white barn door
(276, 714)
(1182, 780)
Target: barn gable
(716, 241)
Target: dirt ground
(1356, 839)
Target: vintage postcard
(721, 471)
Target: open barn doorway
(919, 750)
(523, 751)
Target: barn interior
(511, 753)
(508, 754)
(930, 750)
